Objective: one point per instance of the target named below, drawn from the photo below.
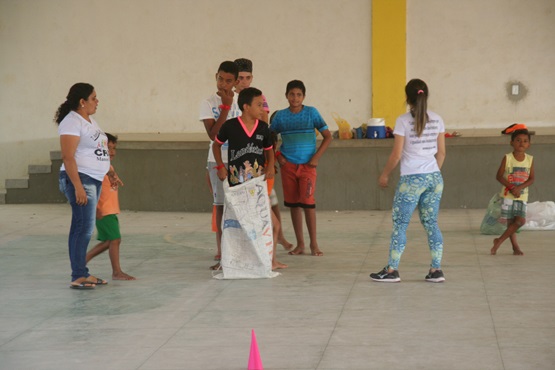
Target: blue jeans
(423, 191)
(82, 221)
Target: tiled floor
(493, 312)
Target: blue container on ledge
(375, 128)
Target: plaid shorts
(512, 208)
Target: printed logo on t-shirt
(245, 172)
(518, 176)
(101, 150)
(251, 148)
(234, 112)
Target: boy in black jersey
(250, 151)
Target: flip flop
(216, 267)
(85, 285)
(98, 282)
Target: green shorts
(108, 228)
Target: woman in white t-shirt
(420, 147)
(86, 161)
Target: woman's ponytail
(77, 92)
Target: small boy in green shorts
(107, 223)
(516, 174)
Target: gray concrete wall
(170, 176)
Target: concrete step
(40, 168)
(2, 196)
(17, 184)
(40, 187)
(55, 155)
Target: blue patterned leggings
(422, 191)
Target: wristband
(225, 107)
(508, 189)
(278, 153)
(220, 166)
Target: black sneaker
(435, 277)
(386, 277)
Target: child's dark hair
(247, 95)
(229, 67)
(417, 97)
(112, 138)
(295, 84)
(520, 132)
(272, 116)
(77, 92)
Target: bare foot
(298, 250)
(285, 244)
(278, 265)
(122, 276)
(496, 246)
(215, 267)
(316, 252)
(517, 251)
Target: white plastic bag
(247, 242)
(540, 216)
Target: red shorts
(299, 185)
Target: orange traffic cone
(255, 362)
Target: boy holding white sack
(249, 225)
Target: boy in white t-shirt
(214, 111)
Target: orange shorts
(299, 185)
(270, 183)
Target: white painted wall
(467, 51)
(153, 61)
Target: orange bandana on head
(512, 128)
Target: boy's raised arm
(213, 126)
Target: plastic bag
(344, 127)
(540, 216)
(491, 224)
(247, 243)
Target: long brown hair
(417, 98)
(77, 92)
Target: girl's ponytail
(417, 98)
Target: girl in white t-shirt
(420, 147)
(86, 161)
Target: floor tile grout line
(356, 277)
(485, 288)
(199, 311)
